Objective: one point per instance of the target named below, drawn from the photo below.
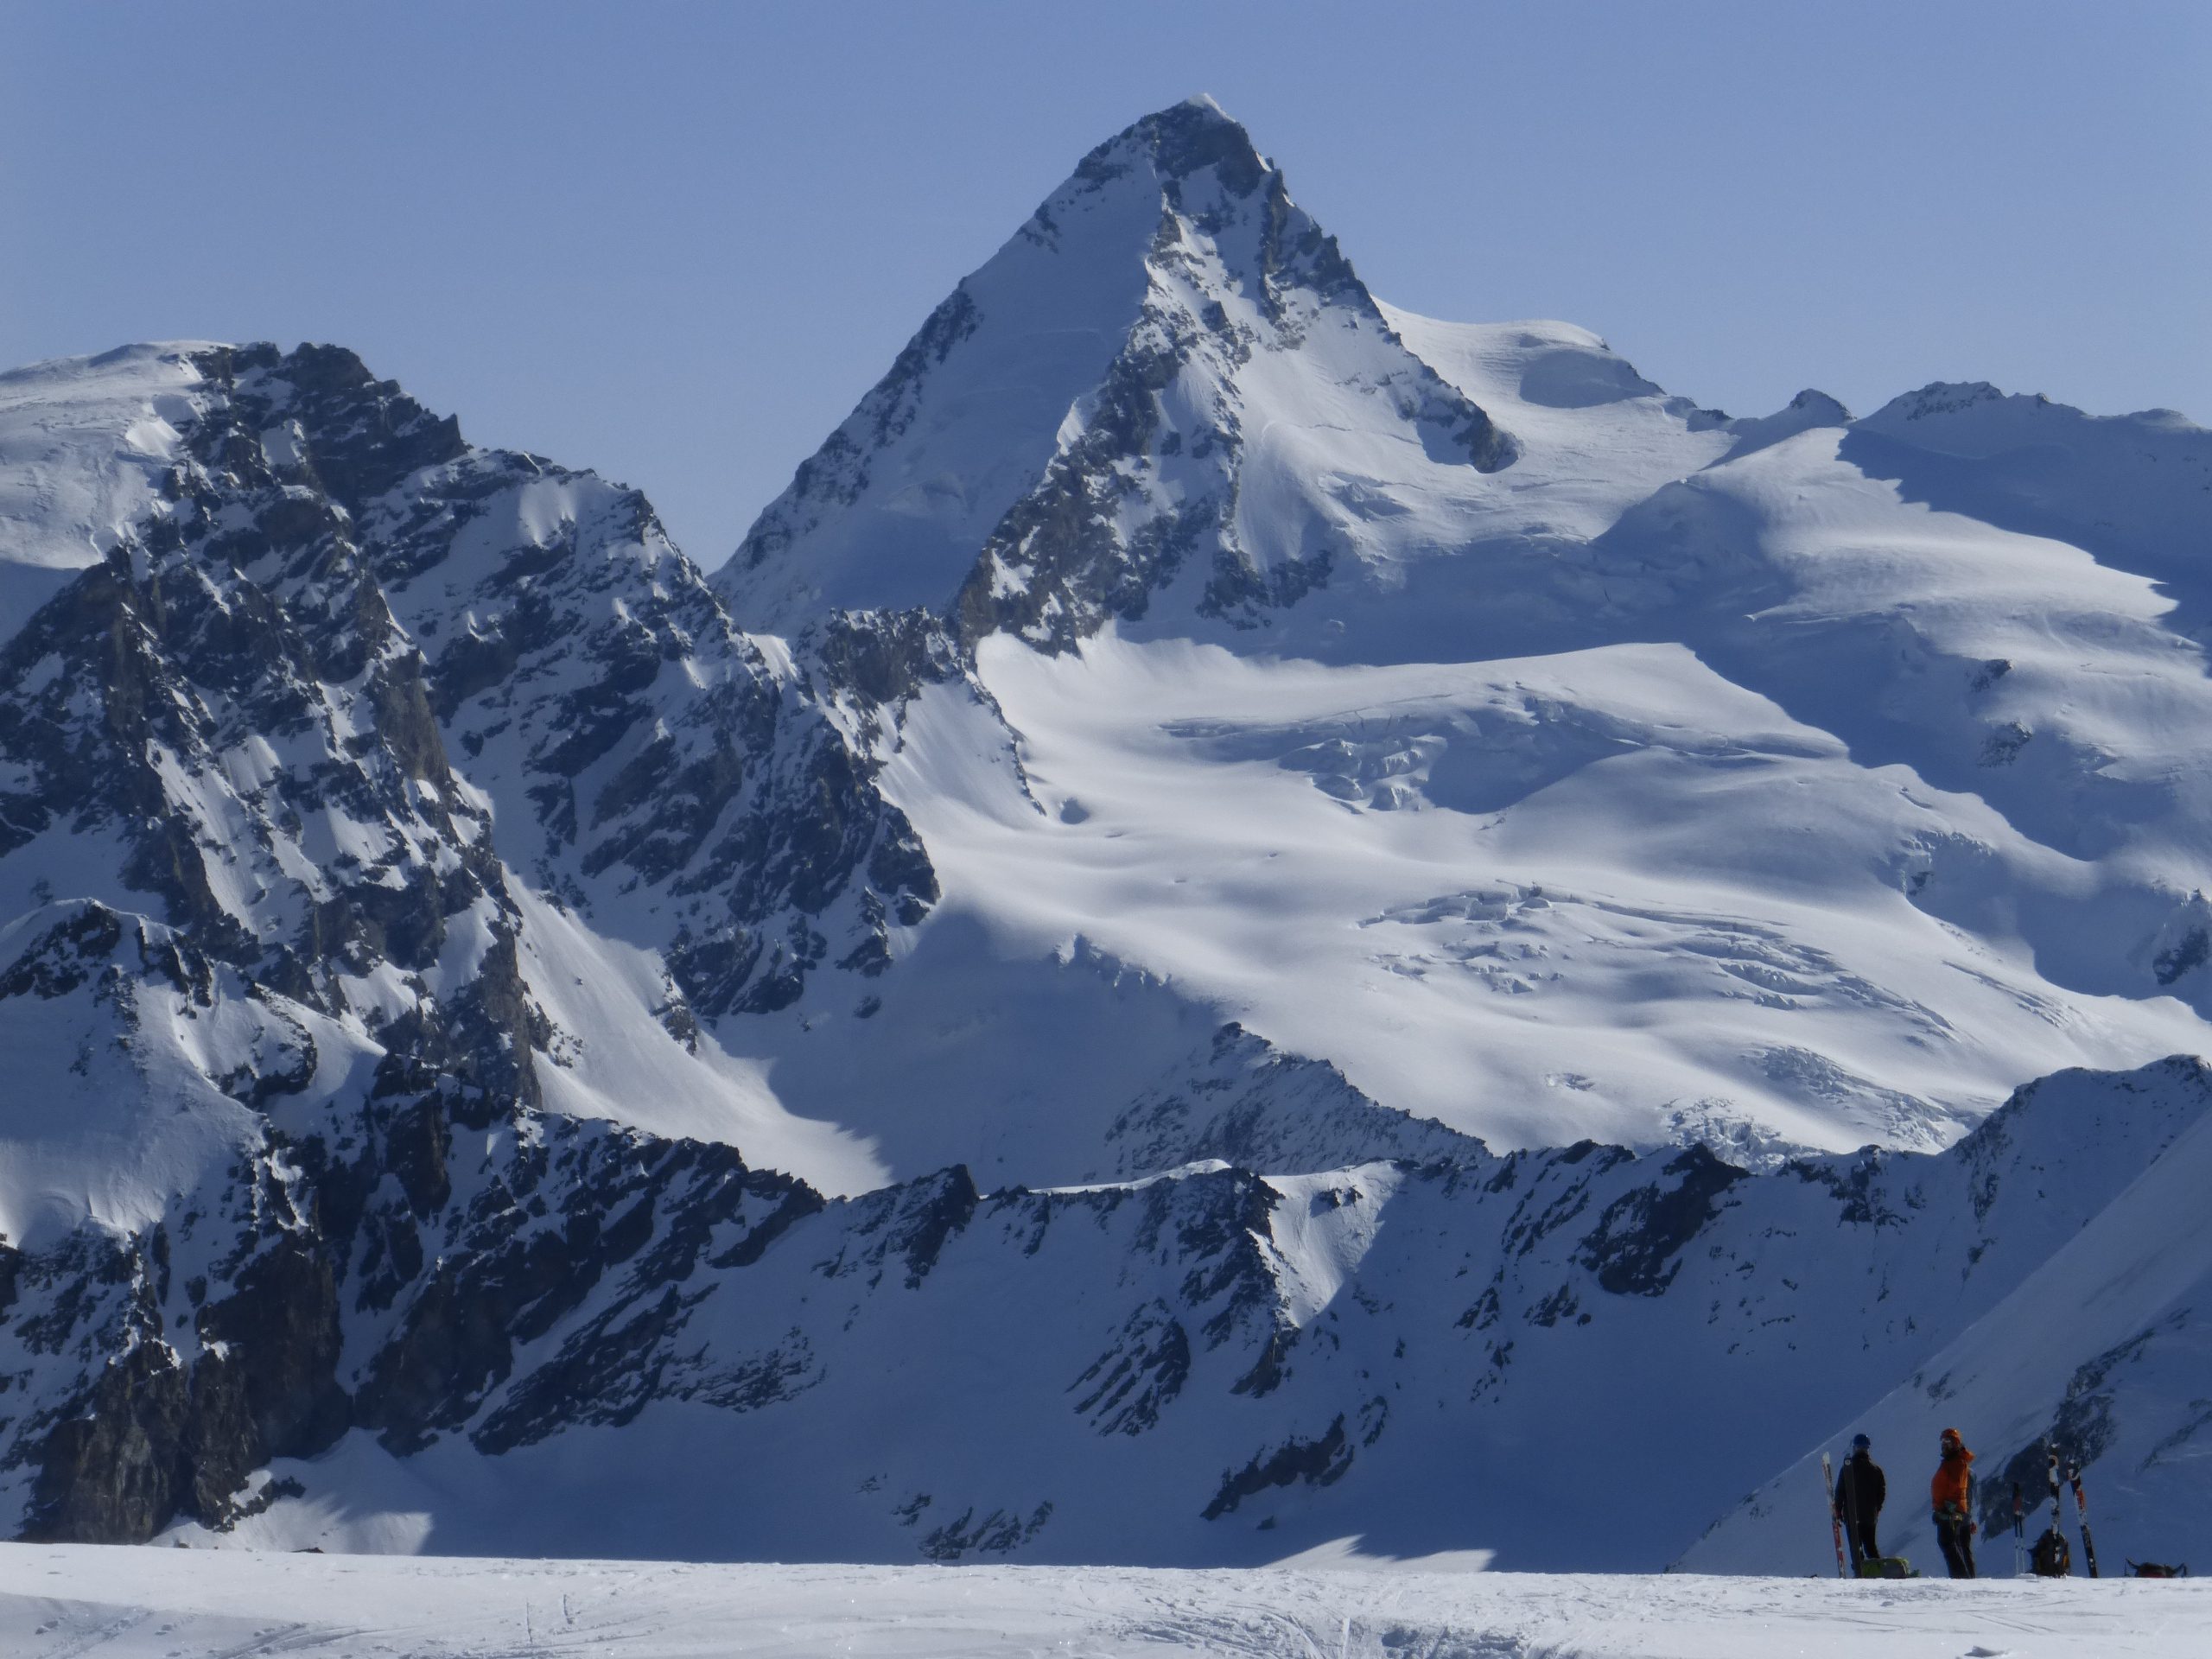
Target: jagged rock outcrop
(280, 733)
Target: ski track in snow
(85, 1603)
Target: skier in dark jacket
(1859, 1490)
(1952, 1493)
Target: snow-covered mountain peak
(1174, 145)
(2133, 490)
(1806, 411)
(345, 700)
(1941, 397)
(1136, 390)
(1977, 418)
(1330, 645)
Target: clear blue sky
(676, 241)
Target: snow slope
(1205, 1366)
(1603, 893)
(81, 455)
(150, 1605)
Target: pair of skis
(1835, 1514)
(2081, 1507)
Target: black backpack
(2050, 1557)
(2154, 1570)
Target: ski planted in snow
(2081, 1514)
(2019, 1535)
(2050, 1558)
(1835, 1515)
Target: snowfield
(63, 1602)
(1426, 873)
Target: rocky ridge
(1248, 1364)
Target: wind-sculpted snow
(82, 456)
(2131, 489)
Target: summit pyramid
(1148, 387)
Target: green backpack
(1886, 1566)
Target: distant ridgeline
(1243, 919)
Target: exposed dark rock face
(1318, 1463)
(1127, 1386)
(995, 1534)
(1103, 529)
(1635, 1250)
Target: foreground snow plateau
(151, 1604)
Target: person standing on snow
(1952, 1491)
(1859, 1490)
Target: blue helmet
(1861, 1443)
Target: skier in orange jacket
(1952, 1492)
